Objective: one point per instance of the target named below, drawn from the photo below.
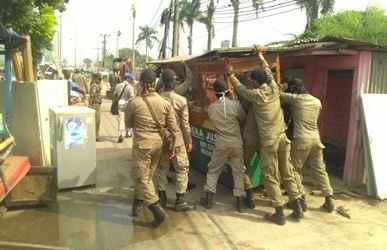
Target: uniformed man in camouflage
(274, 145)
(95, 101)
(81, 80)
(225, 114)
(251, 145)
(147, 142)
(307, 148)
(182, 87)
(183, 145)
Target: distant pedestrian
(147, 142)
(125, 92)
(82, 82)
(95, 101)
(76, 93)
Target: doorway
(335, 117)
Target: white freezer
(73, 152)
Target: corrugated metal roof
(340, 45)
(378, 79)
(173, 59)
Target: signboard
(203, 144)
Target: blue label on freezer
(75, 133)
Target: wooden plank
(23, 246)
(27, 60)
(17, 66)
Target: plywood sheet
(374, 120)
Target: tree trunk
(146, 55)
(210, 27)
(311, 13)
(175, 40)
(235, 27)
(190, 39)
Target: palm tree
(235, 4)
(313, 7)
(208, 19)
(147, 34)
(189, 13)
(166, 18)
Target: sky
(86, 21)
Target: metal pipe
(7, 85)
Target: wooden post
(18, 66)
(278, 70)
(27, 60)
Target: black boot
(278, 218)
(303, 203)
(297, 209)
(191, 185)
(163, 198)
(182, 205)
(158, 213)
(304, 206)
(249, 199)
(239, 205)
(328, 204)
(207, 201)
(136, 207)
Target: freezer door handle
(60, 129)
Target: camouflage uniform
(147, 142)
(274, 145)
(95, 101)
(307, 148)
(180, 160)
(228, 144)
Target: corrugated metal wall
(378, 81)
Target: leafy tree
(189, 13)
(147, 34)
(235, 4)
(87, 62)
(313, 7)
(369, 25)
(35, 18)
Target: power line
(226, 8)
(158, 8)
(274, 14)
(250, 9)
(246, 13)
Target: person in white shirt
(126, 91)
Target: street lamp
(117, 41)
(75, 51)
(74, 38)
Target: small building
(337, 71)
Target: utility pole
(117, 41)
(175, 40)
(60, 39)
(97, 55)
(104, 48)
(133, 48)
